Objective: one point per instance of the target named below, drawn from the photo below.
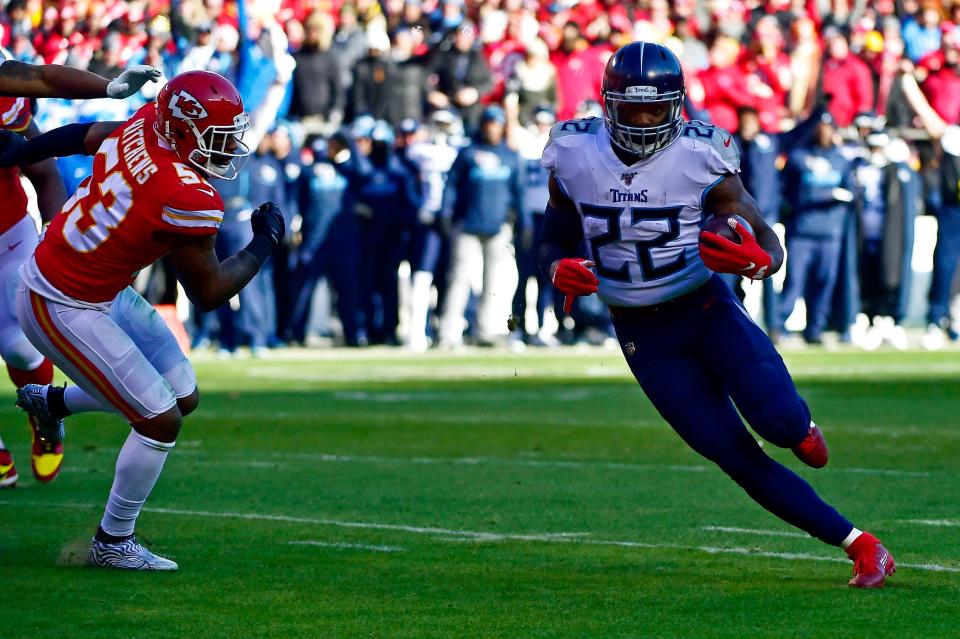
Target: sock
(77, 400)
(852, 537)
(103, 537)
(2, 447)
(42, 374)
(138, 467)
(55, 403)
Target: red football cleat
(8, 472)
(872, 563)
(812, 451)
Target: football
(724, 226)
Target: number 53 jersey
(641, 223)
(139, 202)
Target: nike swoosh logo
(750, 267)
(209, 192)
(727, 141)
(5, 469)
(10, 247)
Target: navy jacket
(810, 176)
(758, 163)
(389, 193)
(484, 186)
(326, 206)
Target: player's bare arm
(56, 81)
(210, 283)
(729, 197)
(46, 180)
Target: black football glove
(267, 221)
(11, 147)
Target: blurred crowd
(402, 139)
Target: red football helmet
(201, 115)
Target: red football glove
(573, 277)
(723, 256)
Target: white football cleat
(126, 555)
(935, 338)
(32, 398)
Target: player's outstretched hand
(267, 221)
(746, 258)
(572, 277)
(131, 81)
(11, 147)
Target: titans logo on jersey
(641, 222)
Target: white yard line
(934, 522)
(483, 461)
(451, 534)
(534, 463)
(340, 544)
(756, 531)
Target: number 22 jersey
(641, 223)
(139, 202)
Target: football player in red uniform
(18, 233)
(148, 197)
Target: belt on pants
(640, 312)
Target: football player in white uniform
(633, 188)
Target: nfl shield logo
(629, 348)
(628, 178)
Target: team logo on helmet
(186, 107)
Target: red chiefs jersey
(15, 115)
(139, 202)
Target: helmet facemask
(643, 141)
(220, 151)
(217, 147)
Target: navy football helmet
(643, 73)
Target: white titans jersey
(641, 223)
(434, 160)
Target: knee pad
(182, 379)
(21, 354)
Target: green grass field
(378, 494)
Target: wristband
(260, 248)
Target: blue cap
(544, 114)
(362, 127)
(493, 113)
(382, 132)
(408, 126)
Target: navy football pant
(699, 359)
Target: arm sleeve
(60, 142)
(562, 237)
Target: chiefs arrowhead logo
(186, 107)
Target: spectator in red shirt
(942, 87)
(724, 83)
(769, 77)
(579, 71)
(846, 78)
